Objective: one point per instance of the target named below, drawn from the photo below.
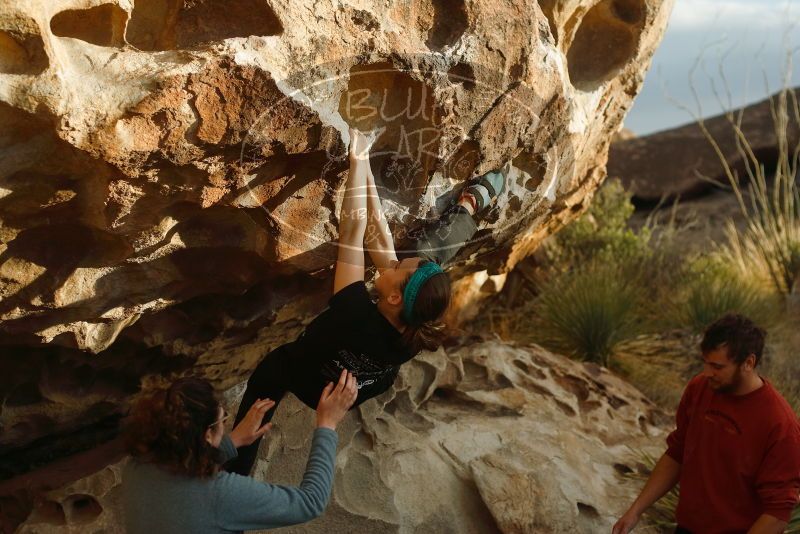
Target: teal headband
(420, 276)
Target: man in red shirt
(736, 448)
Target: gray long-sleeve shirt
(155, 501)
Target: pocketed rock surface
(171, 171)
(482, 438)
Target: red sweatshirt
(739, 456)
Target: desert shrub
(768, 249)
(601, 234)
(586, 312)
(607, 281)
(659, 364)
(602, 282)
(767, 253)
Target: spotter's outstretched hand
(336, 400)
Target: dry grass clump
(710, 287)
(781, 362)
(599, 284)
(768, 250)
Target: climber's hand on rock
(250, 428)
(361, 142)
(359, 147)
(336, 400)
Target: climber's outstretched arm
(378, 239)
(353, 216)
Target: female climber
(369, 339)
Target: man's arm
(378, 237)
(665, 475)
(778, 480)
(667, 471)
(768, 524)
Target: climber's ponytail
(426, 336)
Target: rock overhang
(169, 187)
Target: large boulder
(170, 170)
(683, 162)
(481, 438)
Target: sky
(749, 41)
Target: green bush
(587, 312)
(601, 234)
(599, 277)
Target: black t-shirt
(351, 334)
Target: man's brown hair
(738, 334)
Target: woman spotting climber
(176, 437)
(370, 340)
